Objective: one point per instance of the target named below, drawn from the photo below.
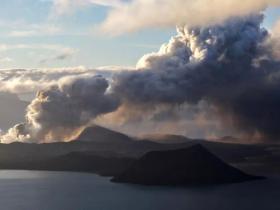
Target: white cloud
(67, 53)
(61, 7)
(52, 47)
(36, 30)
(20, 28)
(276, 29)
(140, 14)
(48, 52)
(6, 60)
(21, 81)
(274, 44)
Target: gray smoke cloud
(64, 107)
(230, 67)
(195, 64)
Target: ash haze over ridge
(226, 72)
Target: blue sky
(31, 38)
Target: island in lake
(190, 166)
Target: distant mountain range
(100, 134)
(166, 138)
(107, 152)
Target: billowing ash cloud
(231, 68)
(70, 104)
(198, 64)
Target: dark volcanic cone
(191, 166)
(100, 134)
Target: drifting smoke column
(229, 66)
(73, 103)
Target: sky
(66, 40)
(35, 34)
(54, 48)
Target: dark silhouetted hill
(74, 161)
(260, 159)
(191, 166)
(97, 133)
(166, 138)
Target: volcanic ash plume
(229, 67)
(62, 108)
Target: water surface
(40, 190)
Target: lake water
(35, 190)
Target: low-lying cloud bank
(23, 81)
(228, 72)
